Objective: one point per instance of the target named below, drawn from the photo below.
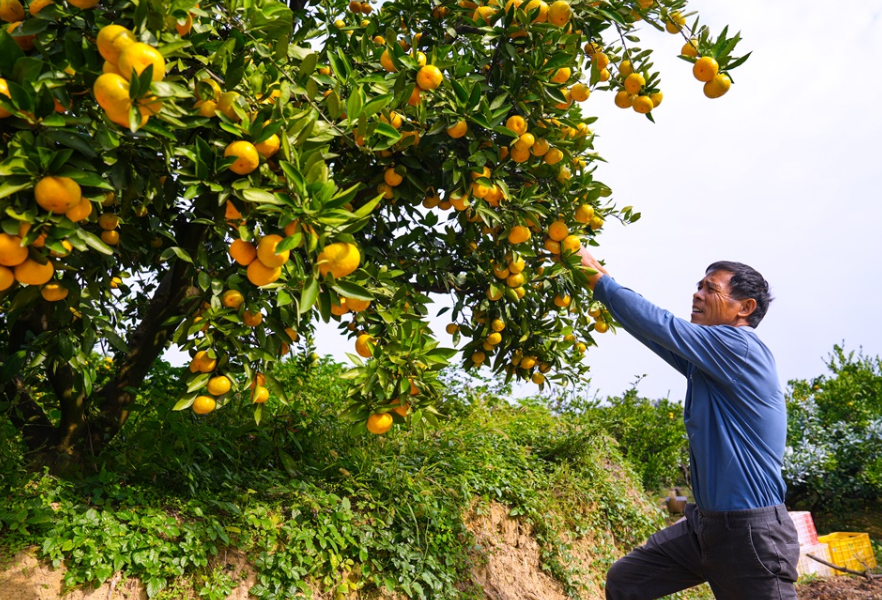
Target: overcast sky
(783, 173)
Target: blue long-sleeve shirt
(734, 409)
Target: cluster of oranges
(125, 57)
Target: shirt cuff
(605, 289)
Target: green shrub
(310, 499)
(834, 442)
(650, 433)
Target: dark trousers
(742, 554)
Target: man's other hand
(589, 261)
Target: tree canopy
(220, 175)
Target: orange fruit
(601, 326)
(643, 104)
(31, 272)
(37, 5)
(214, 85)
(584, 213)
(247, 158)
(4, 89)
(269, 146)
(458, 129)
(218, 386)
(109, 67)
(600, 60)
(690, 48)
(561, 75)
(379, 424)
(108, 221)
(259, 274)
(705, 69)
(185, 27)
(559, 13)
(415, 96)
(625, 68)
(386, 61)
(634, 83)
(203, 405)
(7, 278)
(517, 124)
(624, 99)
(11, 10)
(478, 357)
(80, 211)
(231, 213)
(515, 280)
(339, 309)
(717, 86)
(540, 147)
(562, 301)
(571, 243)
(552, 246)
(553, 156)
(53, 292)
(558, 230)
(12, 253)
(595, 223)
(657, 98)
(203, 362)
(519, 154)
(252, 319)
(207, 108)
(518, 234)
(243, 252)
(111, 238)
(525, 141)
(392, 178)
(485, 13)
(57, 194)
(538, 378)
(580, 92)
(266, 251)
(339, 259)
(361, 345)
(232, 299)
(225, 104)
(532, 5)
(516, 265)
(356, 305)
(112, 40)
(112, 93)
(674, 23)
(25, 42)
(83, 4)
(137, 57)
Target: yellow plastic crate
(851, 550)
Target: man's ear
(747, 308)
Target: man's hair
(746, 283)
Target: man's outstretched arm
(715, 350)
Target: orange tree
(219, 175)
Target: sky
(782, 173)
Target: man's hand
(589, 261)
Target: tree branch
(867, 574)
(147, 342)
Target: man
(737, 536)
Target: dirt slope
(507, 556)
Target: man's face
(712, 303)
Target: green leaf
(352, 290)
(176, 251)
(94, 242)
(376, 105)
(260, 196)
(198, 381)
(10, 53)
(309, 295)
(72, 140)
